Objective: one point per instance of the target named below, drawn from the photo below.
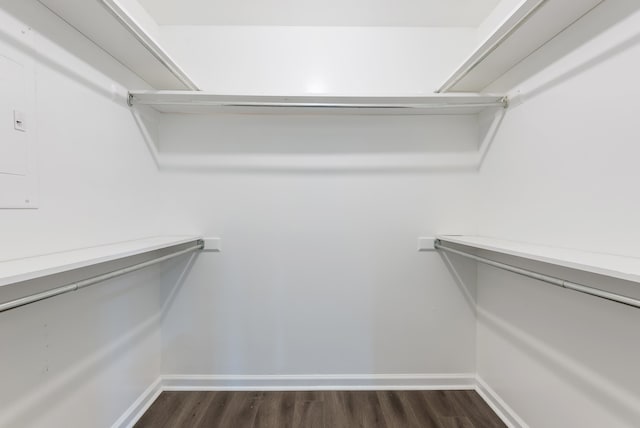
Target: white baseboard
(502, 409)
(137, 409)
(317, 382)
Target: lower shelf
(615, 266)
(28, 268)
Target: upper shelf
(204, 102)
(28, 268)
(128, 34)
(621, 267)
(115, 30)
(530, 26)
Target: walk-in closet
(337, 214)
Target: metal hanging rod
(12, 304)
(149, 44)
(331, 105)
(630, 301)
(204, 99)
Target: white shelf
(18, 270)
(111, 27)
(205, 102)
(621, 267)
(532, 24)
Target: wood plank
(338, 412)
(217, 404)
(397, 412)
(174, 409)
(309, 395)
(241, 411)
(370, 409)
(319, 409)
(457, 422)
(471, 405)
(276, 410)
(424, 413)
(439, 403)
(308, 414)
(165, 405)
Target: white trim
(318, 382)
(455, 381)
(137, 409)
(498, 405)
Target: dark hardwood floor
(318, 409)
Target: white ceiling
(402, 13)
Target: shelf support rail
(16, 303)
(614, 297)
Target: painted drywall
(493, 20)
(318, 60)
(319, 274)
(571, 146)
(319, 214)
(134, 9)
(380, 13)
(570, 151)
(79, 360)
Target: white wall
(319, 273)
(93, 163)
(81, 359)
(318, 60)
(498, 15)
(319, 215)
(563, 171)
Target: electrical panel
(18, 161)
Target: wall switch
(212, 244)
(19, 123)
(426, 244)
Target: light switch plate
(426, 243)
(212, 244)
(19, 121)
